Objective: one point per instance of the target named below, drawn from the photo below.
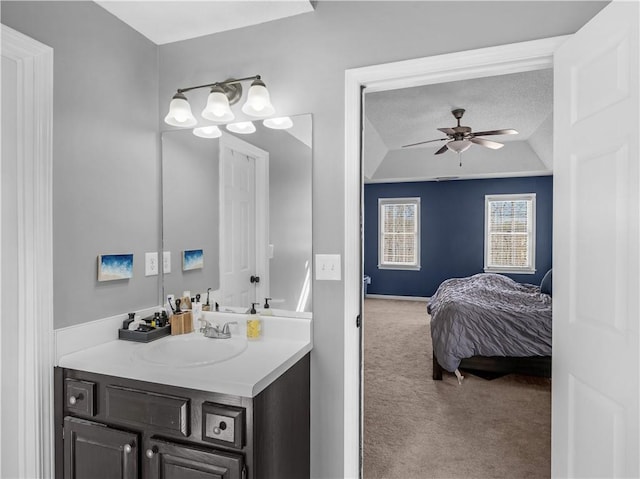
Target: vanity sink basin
(191, 350)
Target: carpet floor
(415, 427)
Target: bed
(489, 322)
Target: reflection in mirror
(245, 201)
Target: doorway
(486, 62)
(26, 372)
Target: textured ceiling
(522, 101)
(171, 21)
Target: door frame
(484, 62)
(35, 359)
(261, 158)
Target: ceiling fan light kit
(460, 138)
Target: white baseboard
(401, 298)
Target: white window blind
(399, 233)
(510, 233)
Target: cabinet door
(167, 460)
(95, 451)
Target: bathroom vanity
(245, 417)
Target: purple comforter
(488, 315)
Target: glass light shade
(281, 123)
(210, 131)
(180, 112)
(459, 145)
(258, 102)
(242, 127)
(217, 108)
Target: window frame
(531, 234)
(416, 265)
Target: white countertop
(284, 342)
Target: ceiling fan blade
(494, 145)
(447, 131)
(509, 131)
(441, 150)
(423, 142)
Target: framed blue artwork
(113, 267)
(192, 259)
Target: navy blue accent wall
(452, 220)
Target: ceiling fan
(460, 138)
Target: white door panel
(244, 204)
(238, 227)
(596, 261)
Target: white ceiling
(522, 101)
(172, 21)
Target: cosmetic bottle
(254, 326)
(266, 309)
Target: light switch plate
(151, 264)
(166, 262)
(328, 267)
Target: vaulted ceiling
(522, 101)
(171, 21)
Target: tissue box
(181, 323)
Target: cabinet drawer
(79, 396)
(223, 424)
(145, 408)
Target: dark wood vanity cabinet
(111, 427)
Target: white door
(242, 242)
(596, 260)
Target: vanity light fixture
(242, 127)
(211, 131)
(222, 95)
(281, 123)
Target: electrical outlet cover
(328, 267)
(166, 262)
(151, 264)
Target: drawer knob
(128, 448)
(73, 400)
(151, 452)
(220, 427)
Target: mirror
(265, 235)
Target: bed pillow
(545, 284)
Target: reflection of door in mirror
(194, 219)
(244, 206)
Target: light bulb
(180, 112)
(217, 108)
(210, 131)
(281, 123)
(258, 101)
(242, 127)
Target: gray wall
(302, 60)
(106, 196)
(190, 209)
(106, 188)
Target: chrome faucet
(213, 331)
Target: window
(399, 233)
(510, 233)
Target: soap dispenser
(253, 323)
(266, 309)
